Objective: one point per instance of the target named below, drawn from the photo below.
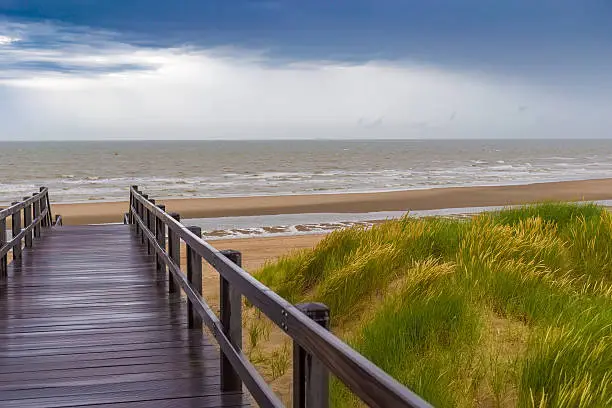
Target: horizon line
(300, 139)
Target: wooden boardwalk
(91, 316)
(85, 321)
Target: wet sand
(430, 199)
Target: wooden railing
(317, 351)
(27, 219)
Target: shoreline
(405, 200)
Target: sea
(78, 172)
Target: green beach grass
(506, 309)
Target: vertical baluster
(16, 221)
(194, 275)
(231, 321)
(310, 376)
(36, 205)
(27, 220)
(49, 215)
(144, 215)
(151, 226)
(137, 208)
(43, 204)
(3, 259)
(160, 234)
(174, 251)
(132, 203)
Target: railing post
(151, 227)
(231, 321)
(16, 221)
(49, 214)
(27, 220)
(3, 259)
(194, 275)
(310, 376)
(43, 205)
(132, 203)
(144, 217)
(139, 213)
(174, 251)
(160, 234)
(36, 205)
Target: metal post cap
(233, 255)
(318, 312)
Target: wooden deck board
(85, 321)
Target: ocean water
(103, 171)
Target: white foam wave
(320, 223)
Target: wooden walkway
(85, 321)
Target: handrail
(36, 215)
(22, 204)
(361, 376)
(253, 380)
(16, 240)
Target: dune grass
(512, 308)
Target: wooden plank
(61, 325)
(86, 321)
(36, 368)
(88, 349)
(176, 372)
(151, 397)
(45, 376)
(102, 355)
(196, 384)
(117, 301)
(185, 402)
(57, 332)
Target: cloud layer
(69, 82)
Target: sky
(274, 69)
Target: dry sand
(255, 252)
(430, 199)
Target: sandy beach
(427, 199)
(257, 251)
